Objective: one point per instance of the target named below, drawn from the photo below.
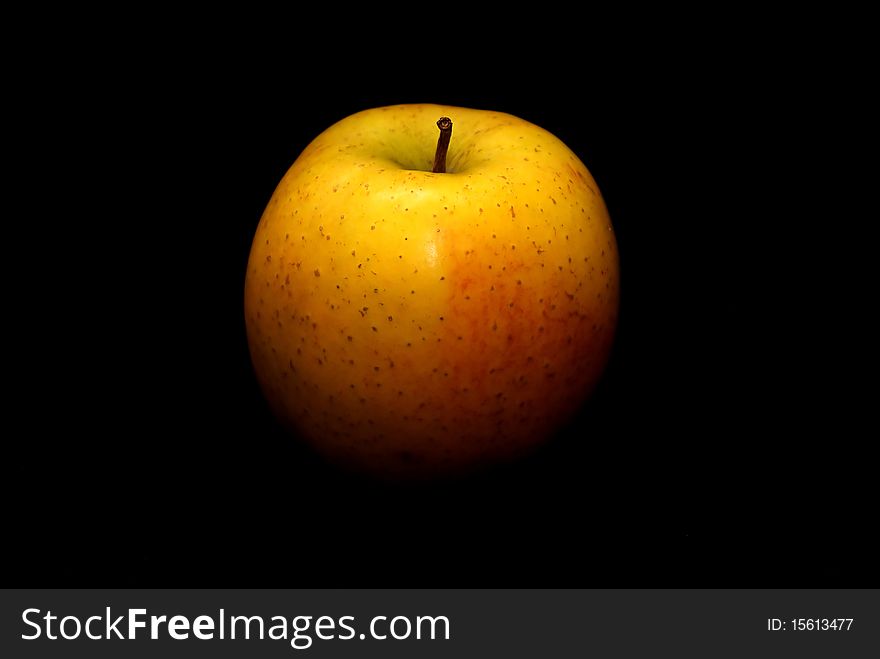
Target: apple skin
(414, 324)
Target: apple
(415, 311)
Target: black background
(713, 454)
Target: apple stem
(445, 126)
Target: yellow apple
(407, 322)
